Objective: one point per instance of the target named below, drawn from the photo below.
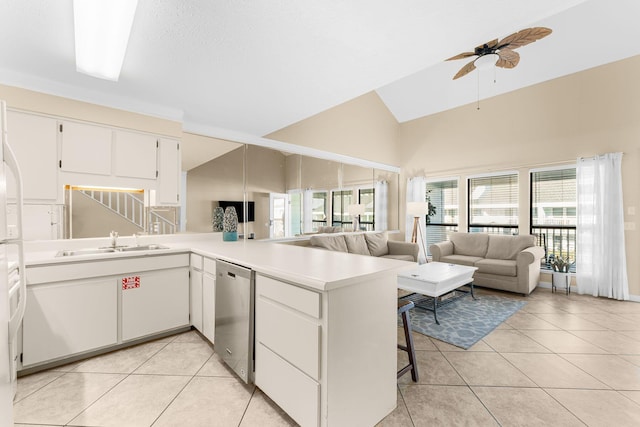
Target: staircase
(131, 207)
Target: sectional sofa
(375, 243)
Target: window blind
(493, 201)
(553, 197)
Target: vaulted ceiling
(256, 66)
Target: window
(295, 212)
(493, 204)
(553, 212)
(318, 210)
(340, 202)
(366, 196)
(443, 195)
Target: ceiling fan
(501, 52)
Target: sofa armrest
(438, 250)
(530, 255)
(403, 248)
(528, 268)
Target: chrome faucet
(114, 238)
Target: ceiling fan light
(102, 31)
(486, 61)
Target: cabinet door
(135, 155)
(208, 306)
(158, 302)
(168, 172)
(34, 141)
(86, 148)
(196, 299)
(67, 318)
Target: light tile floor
(561, 360)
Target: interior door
(278, 215)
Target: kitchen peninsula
(325, 322)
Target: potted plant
(218, 219)
(230, 225)
(432, 207)
(560, 274)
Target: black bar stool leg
(403, 309)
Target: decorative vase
(218, 219)
(230, 225)
(229, 236)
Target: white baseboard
(547, 285)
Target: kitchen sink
(110, 250)
(142, 248)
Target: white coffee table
(430, 281)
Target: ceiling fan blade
(524, 37)
(492, 44)
(465, 70)
(461, 56)
(507, 58)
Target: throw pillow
(356, 244)
(333, 243)
(377, 243)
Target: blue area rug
(465, 321)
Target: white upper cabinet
(85, 148)
(169, 172)
(33, 140)
(135, 155)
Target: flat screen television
(240, 209)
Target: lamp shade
(356, 209)
(417, 208)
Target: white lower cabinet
(209, 298)
(156, 301)
(203, 294)
(288, 333)
(292, 390)
(76, 308)
(66, 318)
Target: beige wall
(223, 179)
(362, 128)
(593, 112)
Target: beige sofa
(509, 263)
(374, 243)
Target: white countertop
(314, 268)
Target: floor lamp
(417, 210)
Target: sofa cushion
(329, 229)
(461, 259)
(401, 257)
(356, 244)
(502, 267)
(333, 243)
(508, 247)
(470, 244)
(377, 243)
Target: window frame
(535, 229)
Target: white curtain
(307, 207)
(381, 197)
(416, 192)
(600, 253)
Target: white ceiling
(256, 66)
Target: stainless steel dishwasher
(233, 336)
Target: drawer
(195, 261)
(210, 266)
(303, 300)
(292, 336)
(299, 395)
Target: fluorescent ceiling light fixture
(102, 29)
